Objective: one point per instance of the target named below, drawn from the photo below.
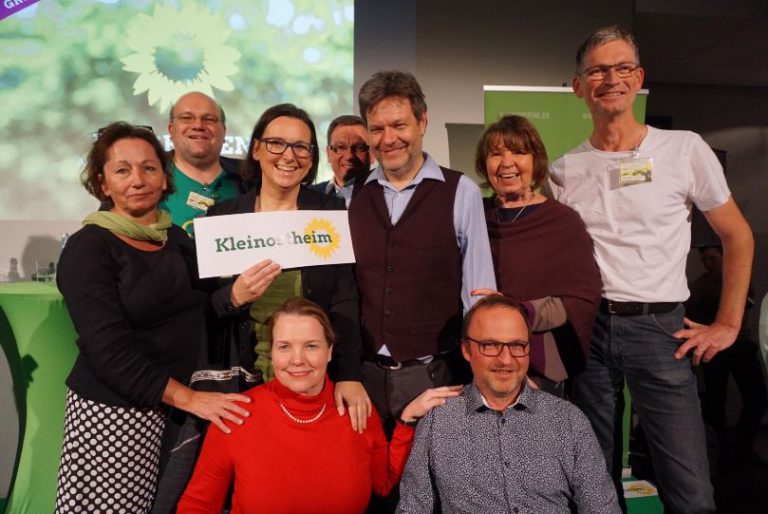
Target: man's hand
(706, 340)
(428, 400)
(359, 405)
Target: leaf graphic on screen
(177, 50)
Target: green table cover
(38, 339)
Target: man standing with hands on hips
(633, 185)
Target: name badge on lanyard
(200, 202)
(635, 169)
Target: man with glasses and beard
(421, 248)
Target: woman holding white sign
(282, 162)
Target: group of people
(568, 280)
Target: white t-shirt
(642, 232)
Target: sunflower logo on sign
(324, 238)
(179, 50)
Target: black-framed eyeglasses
(492, 348)
(360, 148)
(187, 118)
(623, 70)
(278, 147)
(100, 131)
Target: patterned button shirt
(538, 456)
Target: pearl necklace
(302, 421)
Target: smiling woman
(542, 254)
(282, 161)
(127, 278)
(302, 456)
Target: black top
(332, 287)
(138, 318)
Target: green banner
(561, 117)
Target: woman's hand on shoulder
(217, 407)
(253, 282)
(214, 407)
(426, 401)
(353, 394)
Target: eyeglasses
(188, 118)
(278, 147)
(360, 148)
(492, 348)
(623, 70)
(100, 131)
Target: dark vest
(409, 274)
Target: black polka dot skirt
(109, 458)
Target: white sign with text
(228, 245)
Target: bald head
(197, 97)
(197, 130)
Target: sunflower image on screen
(69, 68)
(178, 50)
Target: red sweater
(281, 466)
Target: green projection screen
(558, 114)
(68, 68)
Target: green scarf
(157, 232)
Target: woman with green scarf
(128, 280)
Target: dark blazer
(231, 167)
(333, 287)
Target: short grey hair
(602, 36)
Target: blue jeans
(640, 350)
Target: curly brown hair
(93, 172)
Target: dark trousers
(742, 362)
(392, 390)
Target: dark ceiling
(704, 43)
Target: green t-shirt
(192, 199)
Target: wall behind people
(697, 60)
(732, 119)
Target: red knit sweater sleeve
(206, 491)
(387, 460)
